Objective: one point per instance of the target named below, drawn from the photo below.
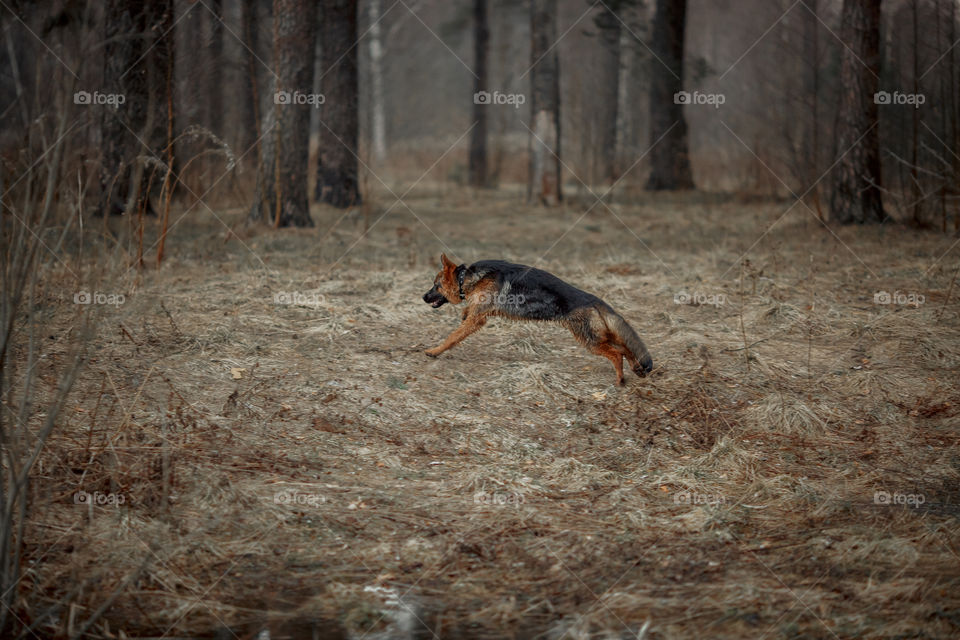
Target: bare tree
(811, 142)
(856, 195)
(34, 395)
(609, 26)
(378, 112)
(164, 65)
(264, 204)
(124, 74)
(670, 156)
(250, 88)
(214, 93)
(954, 111)
(544, 182)
(915, 195)
(294, 34)
(478, 137)
(337, 165)
(21, 439)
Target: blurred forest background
(393, 84)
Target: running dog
(499, 288)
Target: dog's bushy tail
(641, 360)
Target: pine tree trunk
(264, 204)
(856, 196)
(608, 73)
(915, 191)
(162, 60)
(670, 157)
(250, 87)
(625, 140)
(337, 181)
(954, 111)
(124, 73)
(378, 113)
(478, 137)
(811, 143)
(544, 186)
(214, 97)
(294, 33)
(263, 208)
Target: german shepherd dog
(498, 288)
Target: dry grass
(345, 484)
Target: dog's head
(445, 286)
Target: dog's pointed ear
(445, 261)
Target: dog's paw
(433, 353)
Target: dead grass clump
(934, 352)
(573, 475)
(889, 551)
(787, 414)
(728, 459)
(779, 314)
(523, 379)
(793, 320)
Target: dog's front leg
(471, 323)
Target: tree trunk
(544, 185)
(608, 72)
(164, 62)
(264, 204)
(294, 34)
(250, 88)
(954, 94)
(670, 157)
(811, 144)
(162, 59)
(337, 182)
(124, 74)
(478, 137)
(215, 64)
(626, 126)
(915, 192)
(378, 113)
(856, 196)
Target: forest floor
(257, 440)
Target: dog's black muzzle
(434, 298)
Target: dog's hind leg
(591, 330)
